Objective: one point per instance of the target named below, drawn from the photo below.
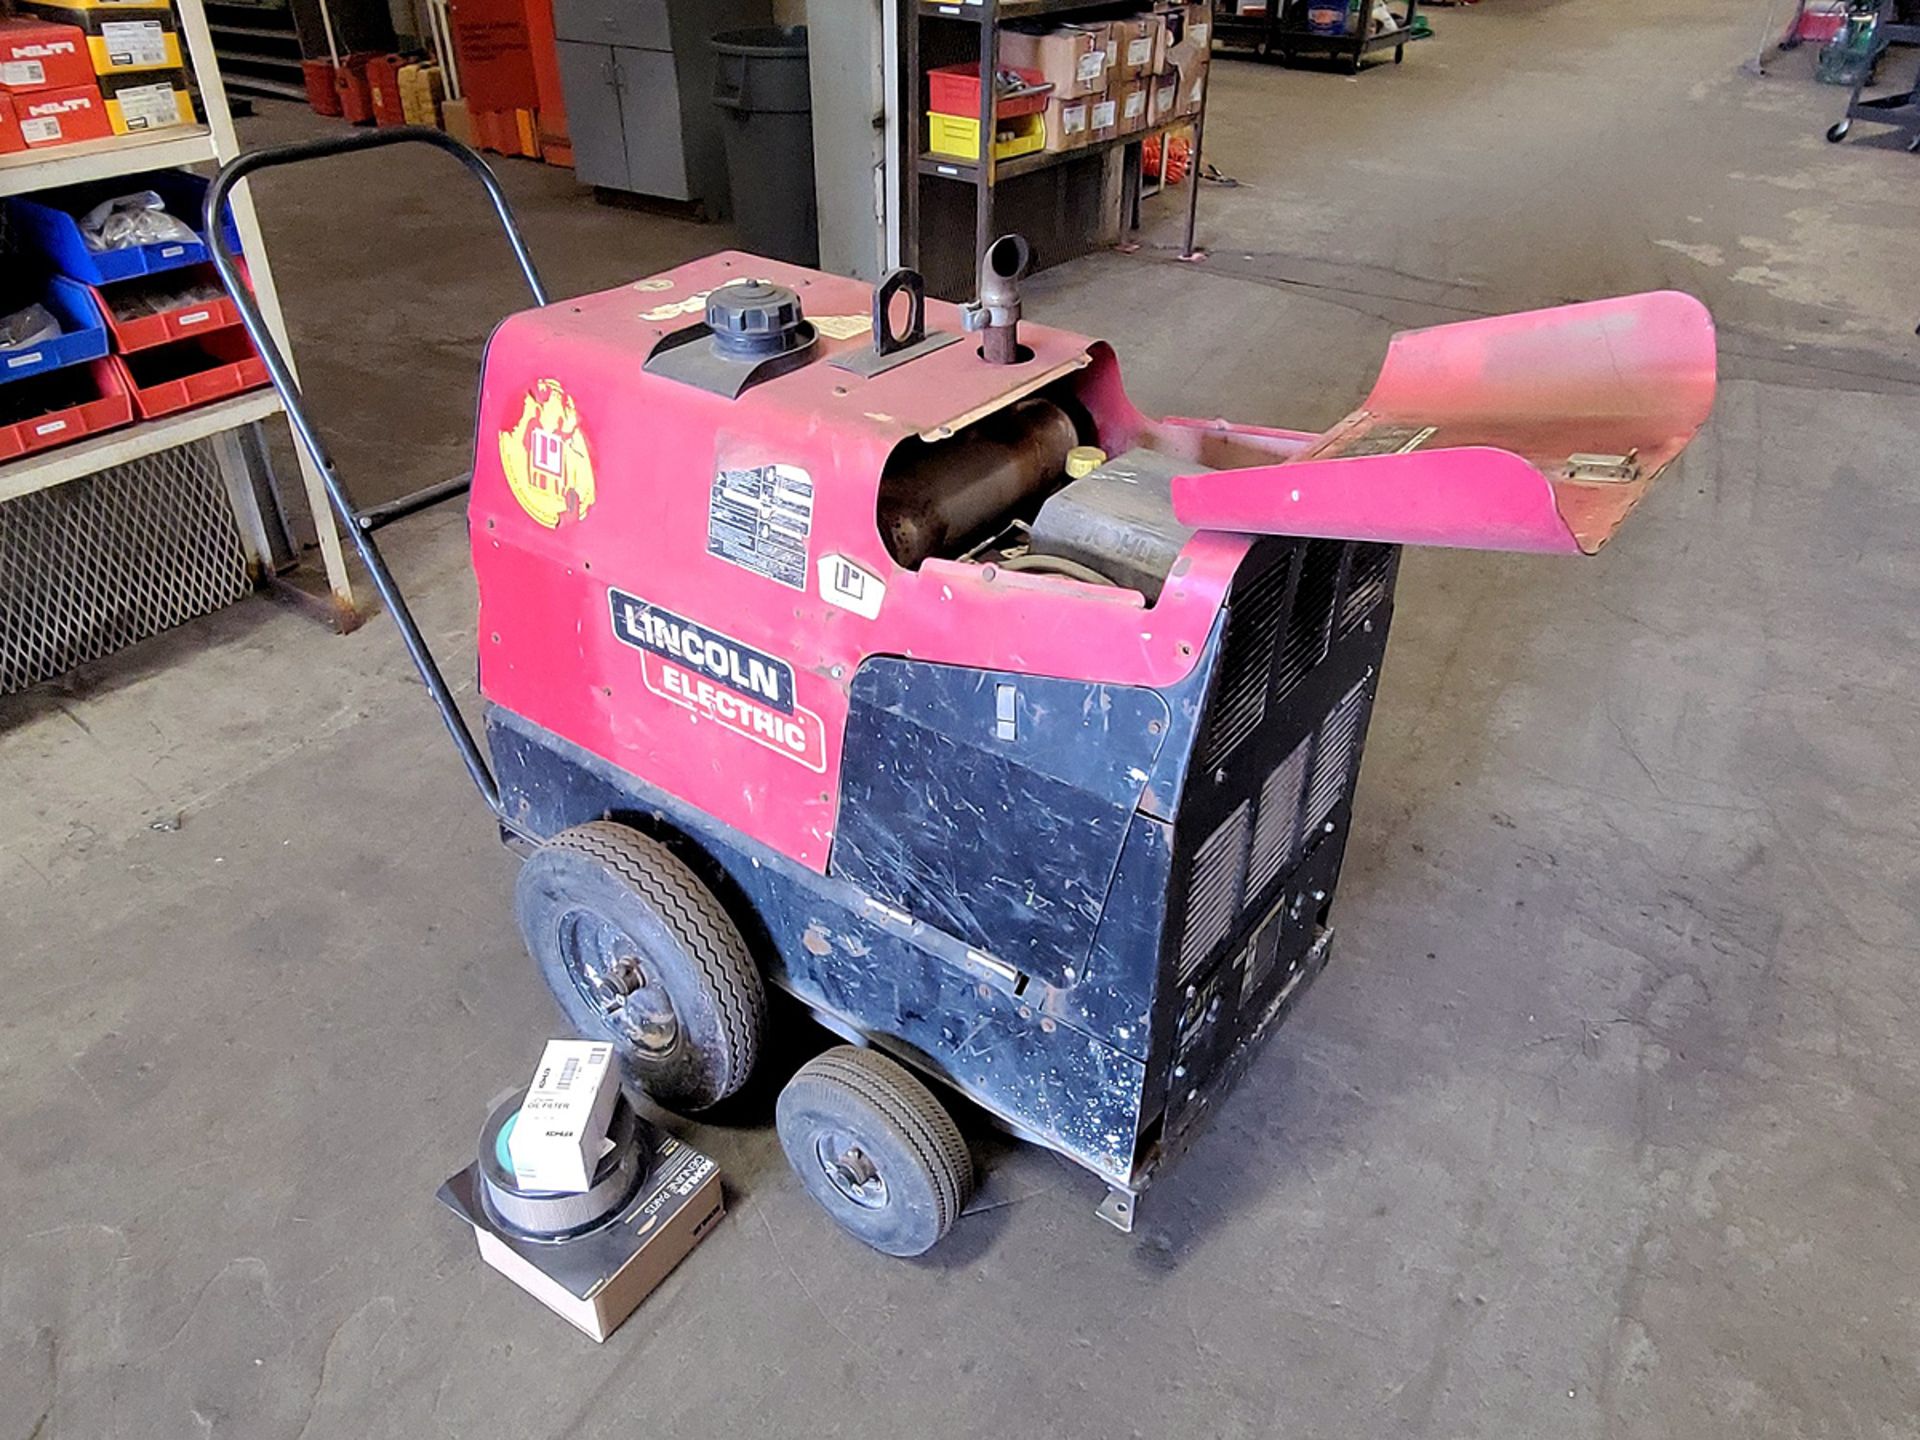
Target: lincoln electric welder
(881, 650)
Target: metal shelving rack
(227, 425)
(988, 173)
(1282, 32)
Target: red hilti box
(60, 117)
(10, 140)
(40, 55)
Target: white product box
(561, 1133)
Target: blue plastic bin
(83, 337)
(52, 225)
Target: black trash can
(760, 83)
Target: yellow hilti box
(121, 37)
(142, 100)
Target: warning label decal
(761, 519)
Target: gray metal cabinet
(638, 80)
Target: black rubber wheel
(1838, 132)
(876, 1149)
(639, 951)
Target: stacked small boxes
(119, 63)
(1179, 88)
(48, 94)
(1116, 78)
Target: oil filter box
(561, 1131)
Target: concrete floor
(1602, 1124)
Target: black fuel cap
(756, 318)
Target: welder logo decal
(545, 457)
(718, 677)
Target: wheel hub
(850, 1170)
(606, 967)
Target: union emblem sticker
(545, 456)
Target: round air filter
(549, 1215)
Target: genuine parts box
(597, 1280)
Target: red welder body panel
(594, 481)
(685, 584)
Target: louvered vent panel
(1276, 826)
(1240, 689)
(1366, 583)
(1213, 889)
(1332, 762)
(1312, 613)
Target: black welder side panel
(993, 805)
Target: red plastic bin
(181, 323)
(208, 367)
(383, 89)
(356, 95)
(955, 90)
(321, 94)
(66, 421)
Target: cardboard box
(1163, 98)
(143, 100)
(598, 1280)
(122, 37)
(1193, 92)
(457, 120)
(1069, 123)
(1139, 46)
(1194, 46)
(1198, 31)
(1076, 59)
(40, 55)
(60, 117)
(561, 1131)
(1132, 97)
(1105, 119)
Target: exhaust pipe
(997, 312)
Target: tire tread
(914, 1111)
(694, 914)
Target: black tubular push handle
(227, 263)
